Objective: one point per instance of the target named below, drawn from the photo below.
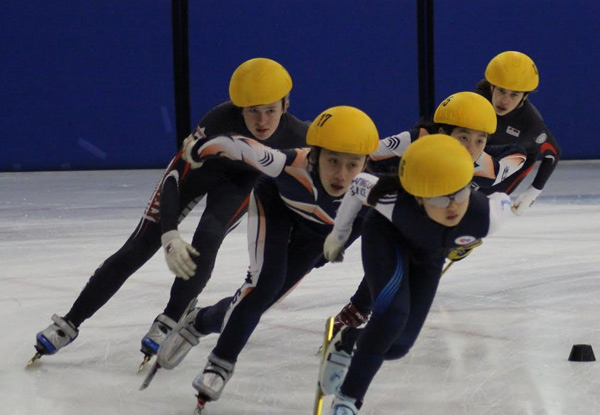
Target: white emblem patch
(541, 138)
(513, 131)
(464, 240)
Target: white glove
(525, 199)
(187, 147)
(177, 254)
(333, 249)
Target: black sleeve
(222, 119)
(550, 151)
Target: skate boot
(159, 330)
(344, 405)
(179, 342)
(335, 364)
(54, 337)
(212, 380)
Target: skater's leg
(113, 272)
(225, 208)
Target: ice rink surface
(496, 342)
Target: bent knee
(397, 352)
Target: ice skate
(334, 365)
(329, 324)
(54, 337)
(171, 351)
(211, 382)
(179, 342)
(344, 405)
(151, 342)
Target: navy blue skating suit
(525, 126)
(493, 168)
(289, 216)
(403, 252)
(226, 186)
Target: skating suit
(289, 217)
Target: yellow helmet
(513, 70)
(467, 110)
(435, 165)
(259, 81)
(343, 129)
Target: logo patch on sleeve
(541, 138)
(464, 240)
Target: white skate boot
(344, 405)
(212, 380)
(334, 366)
(159, 330)
(56, 336)
(179, 342)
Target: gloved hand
(333, 249)
(350, 316)
(525, 199)
(178, 254)
(460, 252)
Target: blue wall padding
(89, 85)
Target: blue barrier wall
(86, 84)
(89, 85)
(338, 53)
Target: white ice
(497, 339)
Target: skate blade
(319, 395)
(200, 405)
(150, 376)
(34, 358)
(318, 408)
(147, 359)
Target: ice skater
(418, 216)
(259, 90)
(290, 214)
(510, 77)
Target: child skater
(289, 216)
(418, 215)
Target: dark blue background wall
(85, 84)
(89, 85)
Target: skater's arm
(266, 160)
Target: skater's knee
(399, 350)
(396, 352)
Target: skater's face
(336, 170)
(505, 100)
(447, 210)
(473, 140)
(263, 120)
